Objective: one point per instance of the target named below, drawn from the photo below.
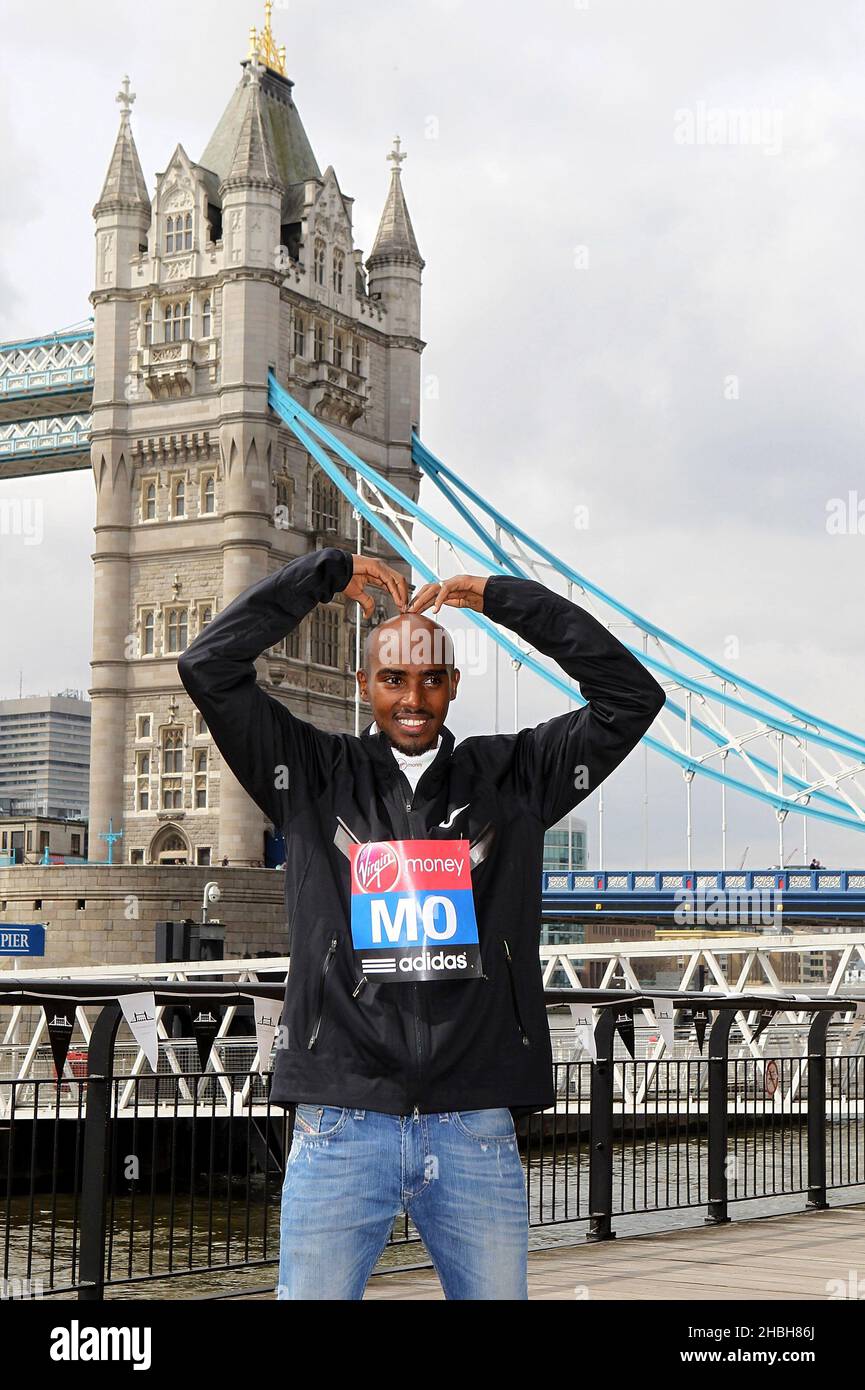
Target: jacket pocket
(514, 1000)
(325, 966)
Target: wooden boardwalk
(770, 1258)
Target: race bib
(412, 910)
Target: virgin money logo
(376, 868)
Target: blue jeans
(350, 1173)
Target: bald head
(409, 678)
(409, 639)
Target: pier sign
(22, 939)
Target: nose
(412, 700)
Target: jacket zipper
(324, 969)
(408, 798)
(523, 1033)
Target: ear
(455, 680)
(361, 682)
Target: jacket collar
(379, 747)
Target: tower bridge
(247, 388)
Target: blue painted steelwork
(738, 899)
(312, 434)
(439, 471)
(594, 881)
(53, 436)
(37, 367)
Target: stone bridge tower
(242, 261)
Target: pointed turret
(395, 240)
(124, 185)
(253, 162)
(395, 266)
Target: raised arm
(559, 763)
(256, 734)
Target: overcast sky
(635, 302)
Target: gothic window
(206, 319)
(176, 625)
(177, 321)
(142, 782)
(208, 493)
(318, 353)
(200, 727)
(299, 336)
(295, 643)
(144, 726)
(318, 262)
(338, 271)
(178, 497)
(187, 231)
(148, 509)
(148, 328)
(337, 349)
(148, 621)
(356, 361)
(172, 767)
(169, 236)
(201, 778)
(324, 636)
(173, 751)
(205, 616)
(325, 503)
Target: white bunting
(267, 1012)
(663, 1011)
(584, 1027)
(139, 1010)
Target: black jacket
(442, 1045)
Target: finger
(424, 592)
(366, 603)
(424, 598)
(401, 595)
(388, 579)
(448, 594)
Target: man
(414, 1030)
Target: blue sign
(22, 939)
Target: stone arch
(169, 846)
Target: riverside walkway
(806, 1255)
(816, 1255)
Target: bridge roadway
(706, 897)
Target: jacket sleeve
(559, 763)
(263, 743)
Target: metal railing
(113, 1182)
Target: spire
(253, 160)
(262, 46)
(395, 239)
(124, 183)
(295, 162)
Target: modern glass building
(45, 755)
(565, 844)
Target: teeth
(412, 723)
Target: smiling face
(409, 679)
